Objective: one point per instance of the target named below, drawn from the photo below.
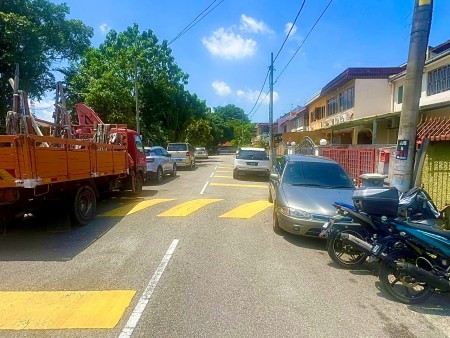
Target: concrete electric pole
(406, 144)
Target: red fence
(356, 161)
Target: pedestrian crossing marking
(53, 310)
(247, 210)
(239, 185)
(223, 176)
(188, 208)
(132, 208)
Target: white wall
(372, 97)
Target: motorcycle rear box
(377, 201)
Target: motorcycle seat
(427, 228)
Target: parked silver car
(159, 163)
(201, 152)
(251, 161)
(303, 190)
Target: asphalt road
(179, 261)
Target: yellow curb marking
(247, 210)
(188, 208)
(239, 185)
(132, 208)
(63, 309)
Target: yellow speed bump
(222, 176)
(239, 185)
(247, 210)
(132, 208)
(188, 208)
(63, 309)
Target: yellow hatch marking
(188, 208)
(223, 176)
(132, 208)
(247, 210)
(239, 185)
(63, 309)
(223, 171)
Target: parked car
(183, 154)
(253, 161)
(201, 152)
(159, 163)
(303, 190)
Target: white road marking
(204, 187)
(140, 306)
(212, 174)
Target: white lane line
(140, 306)
(204, 187)
(212, 174)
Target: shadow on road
(306, 242)
(50, 237)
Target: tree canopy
(35, 34)
(105, 80)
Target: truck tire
(138, 184)
(82, 206)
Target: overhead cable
(260, 92)
(196, 20)
(304, 40)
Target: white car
(251, 161)
(200, 152)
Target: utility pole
(406, 144)
(136, 94)
(271, 150)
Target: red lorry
(96, 158)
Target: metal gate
(306, 146)
(355, 161)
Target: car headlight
(297, 213)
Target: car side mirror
(169, 155)
(274, 176)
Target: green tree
(105, 79)
(35, 34)
(198, 133)
(225, 121)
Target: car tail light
(188, 154)
(150, 160)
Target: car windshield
(319, 174)
(252, 155)
(177, 147)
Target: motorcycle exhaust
(424, 276)
(357, 243)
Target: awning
(434, 128)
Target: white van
(183, 154)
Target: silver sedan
(303, 189)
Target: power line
(289, 33)
(260, 92)
(259, 105)
(195, 21)
(304, 40)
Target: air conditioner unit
(393, 123)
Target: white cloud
(221, 88)
(43, 109)
(226, 44)
(252, 96)
(249, 24)
(104, 28)
(288, 26)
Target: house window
(296, 123)
(332, 106)
(319, 113)
(400, 95)
(438, 80)
(347, 99)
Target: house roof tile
(434, 128)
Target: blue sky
(227, 54)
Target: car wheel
(270, 199)
(159, 175)
(235, 174)
(192, 165)
(174, 170)
(276, 224)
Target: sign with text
(402, 150)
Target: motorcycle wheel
(399, 285)
(344, 254)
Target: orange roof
(434, 128)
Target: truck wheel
(83, 205)
(138, 183)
